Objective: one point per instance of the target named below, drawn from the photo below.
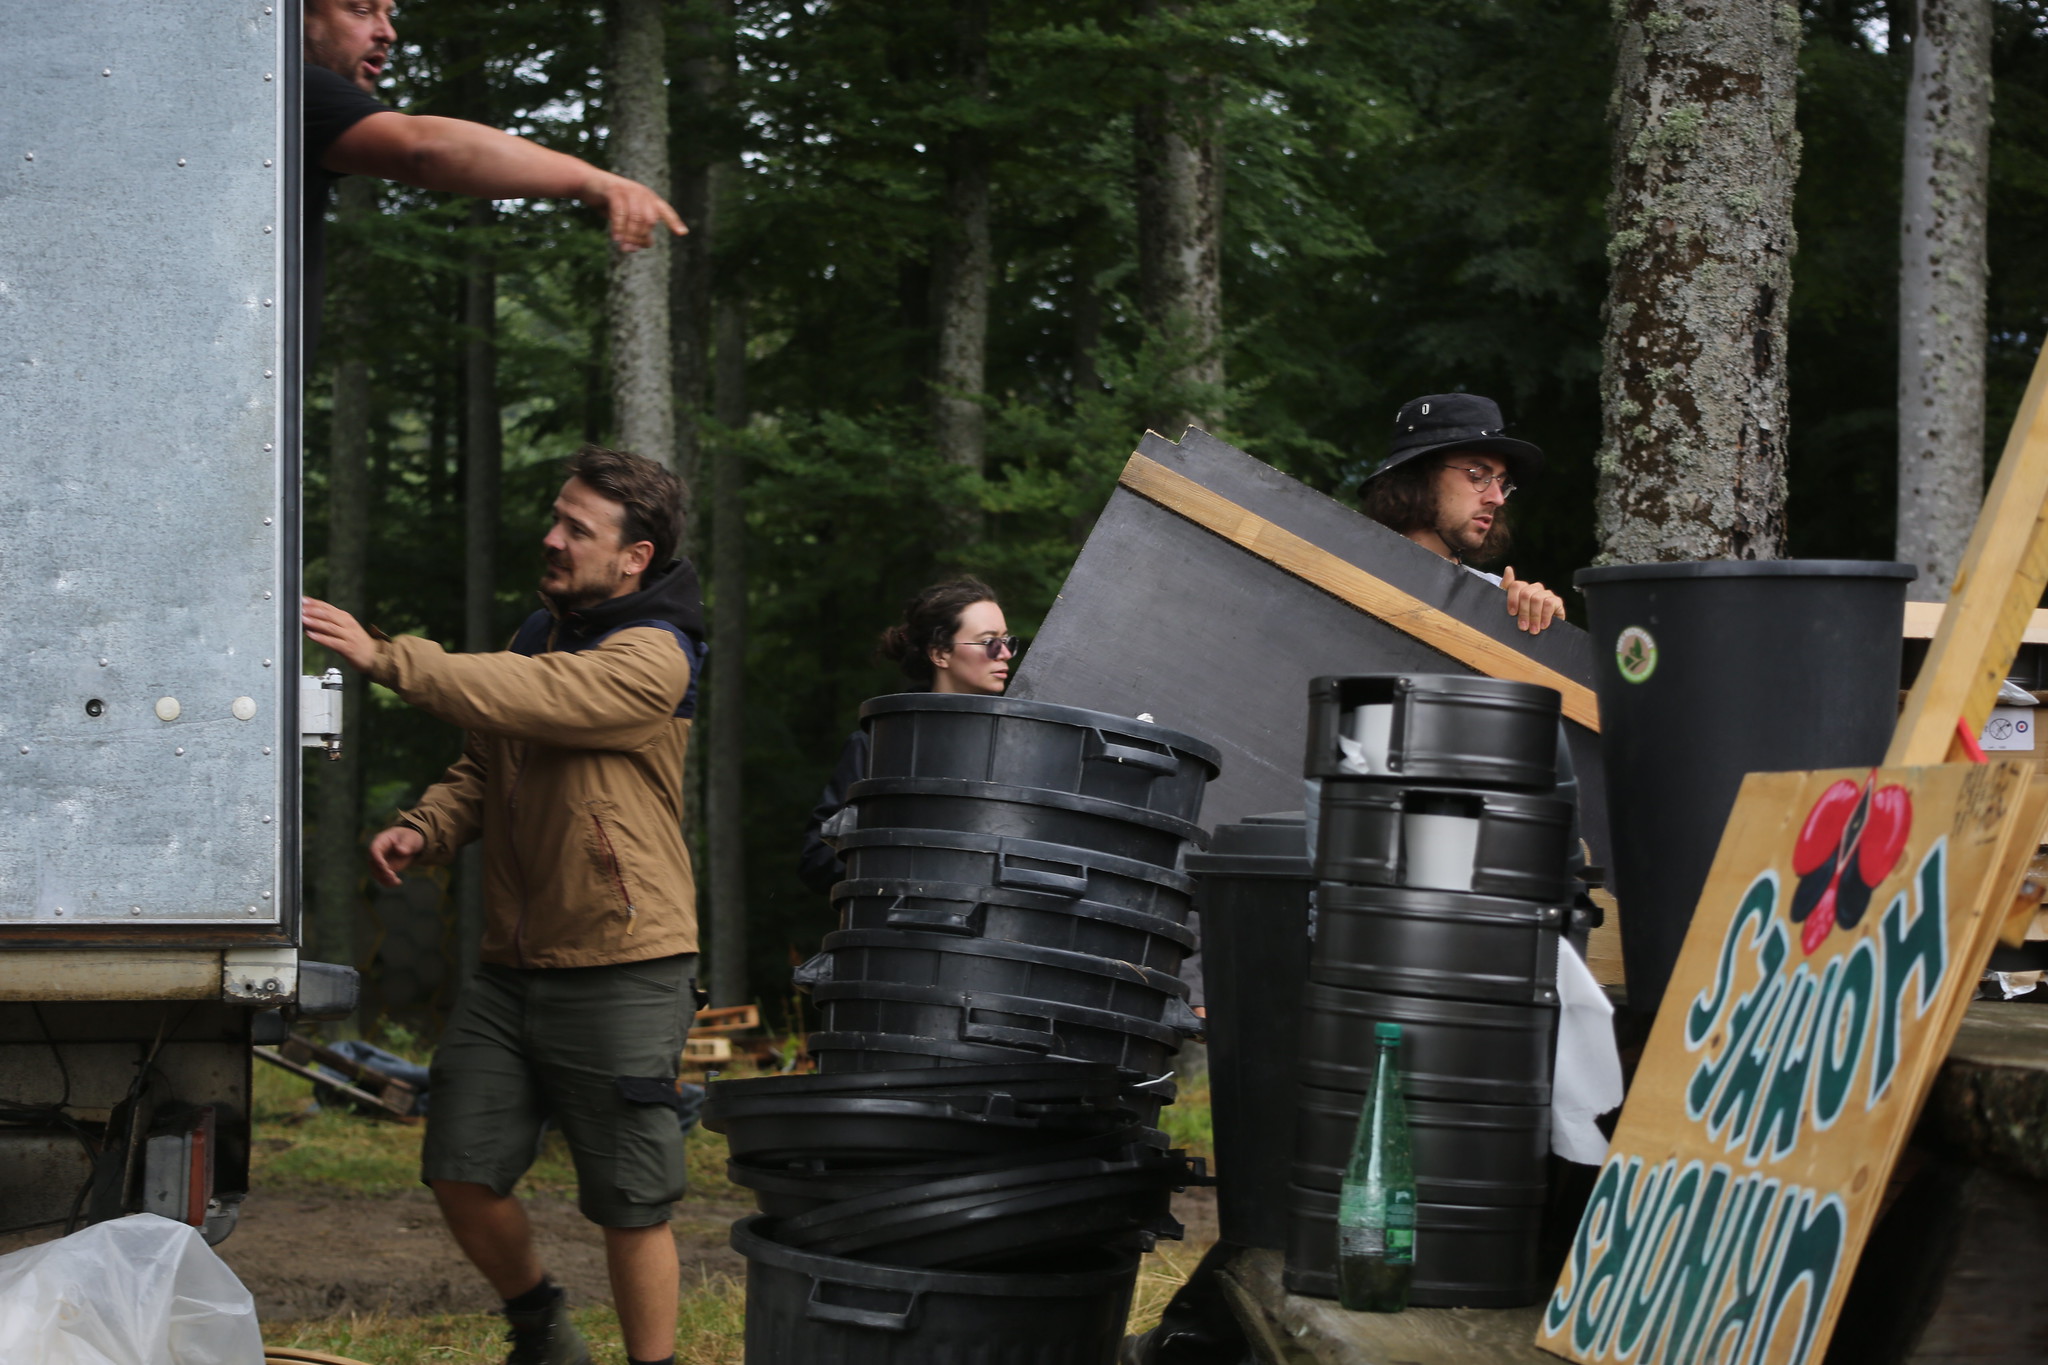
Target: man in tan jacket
(572, 775)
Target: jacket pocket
(605, 840)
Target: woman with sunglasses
(952, 638)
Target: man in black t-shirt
(348, 131)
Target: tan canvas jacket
(572, 774)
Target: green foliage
(1413, 203)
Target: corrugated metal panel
(149, 443)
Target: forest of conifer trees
(950, 259)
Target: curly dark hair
(650, 496)
(929, 620)
(1404, 499)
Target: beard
(347, 65)
(571, 595)
(1483, 549)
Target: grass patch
(1163, 1271)
(1187, 1120)
(335, 1149)
(709, 1332)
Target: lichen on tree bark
(1942, 334)
(1706, 156)
(643, 391)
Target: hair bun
(896, 644)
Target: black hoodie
(669, 600)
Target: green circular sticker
(1636, 654)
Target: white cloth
(1587, 1080)
(141, 1290)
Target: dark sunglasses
(994, 647)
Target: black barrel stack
(973, 1173)
(1441, 857)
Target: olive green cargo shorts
(592, 1048)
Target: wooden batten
(1348, 583)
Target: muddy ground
(312, 1254)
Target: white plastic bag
(134, 1291)
(1586, 1081)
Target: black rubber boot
(1197, 1328)
(545, 1336)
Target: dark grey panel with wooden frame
(1168, 613)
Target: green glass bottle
(1376, 1211)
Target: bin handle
(1031, 1040)
(1031, 879)
(819, 1311)
(816, 972)
(1098, 746)
(901, 916)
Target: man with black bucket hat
(1445, 484)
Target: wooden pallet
(389, 1096)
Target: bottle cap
(1387, 1033)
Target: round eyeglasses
(1480, 478)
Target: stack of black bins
(973, 1173)
(1442, 890)
(1013, 891)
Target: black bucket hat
(1456, 421)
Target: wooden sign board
(1841, 931)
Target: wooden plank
(1996, 591)
(383, 1103)
(1923, 621)
(1603, 944)
(706, 1051)
(1292, 1329)
(725, 1019)
(1788, 1065)
(1351, 584)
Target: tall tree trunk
(1692, 461)
(690, 268)
(337, 867)
(643, 389)
(483, 462)
(726, 797)
(1942, 337)
(1179, 163)
(963, 264)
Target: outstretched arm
(620, 694)
(469, 158)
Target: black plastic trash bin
(1712, 670)
(1253, 890)
(830, 1310)
(1035, 744)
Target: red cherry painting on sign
(1852, 840)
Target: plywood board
(1839, 936)
(1162, 616)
